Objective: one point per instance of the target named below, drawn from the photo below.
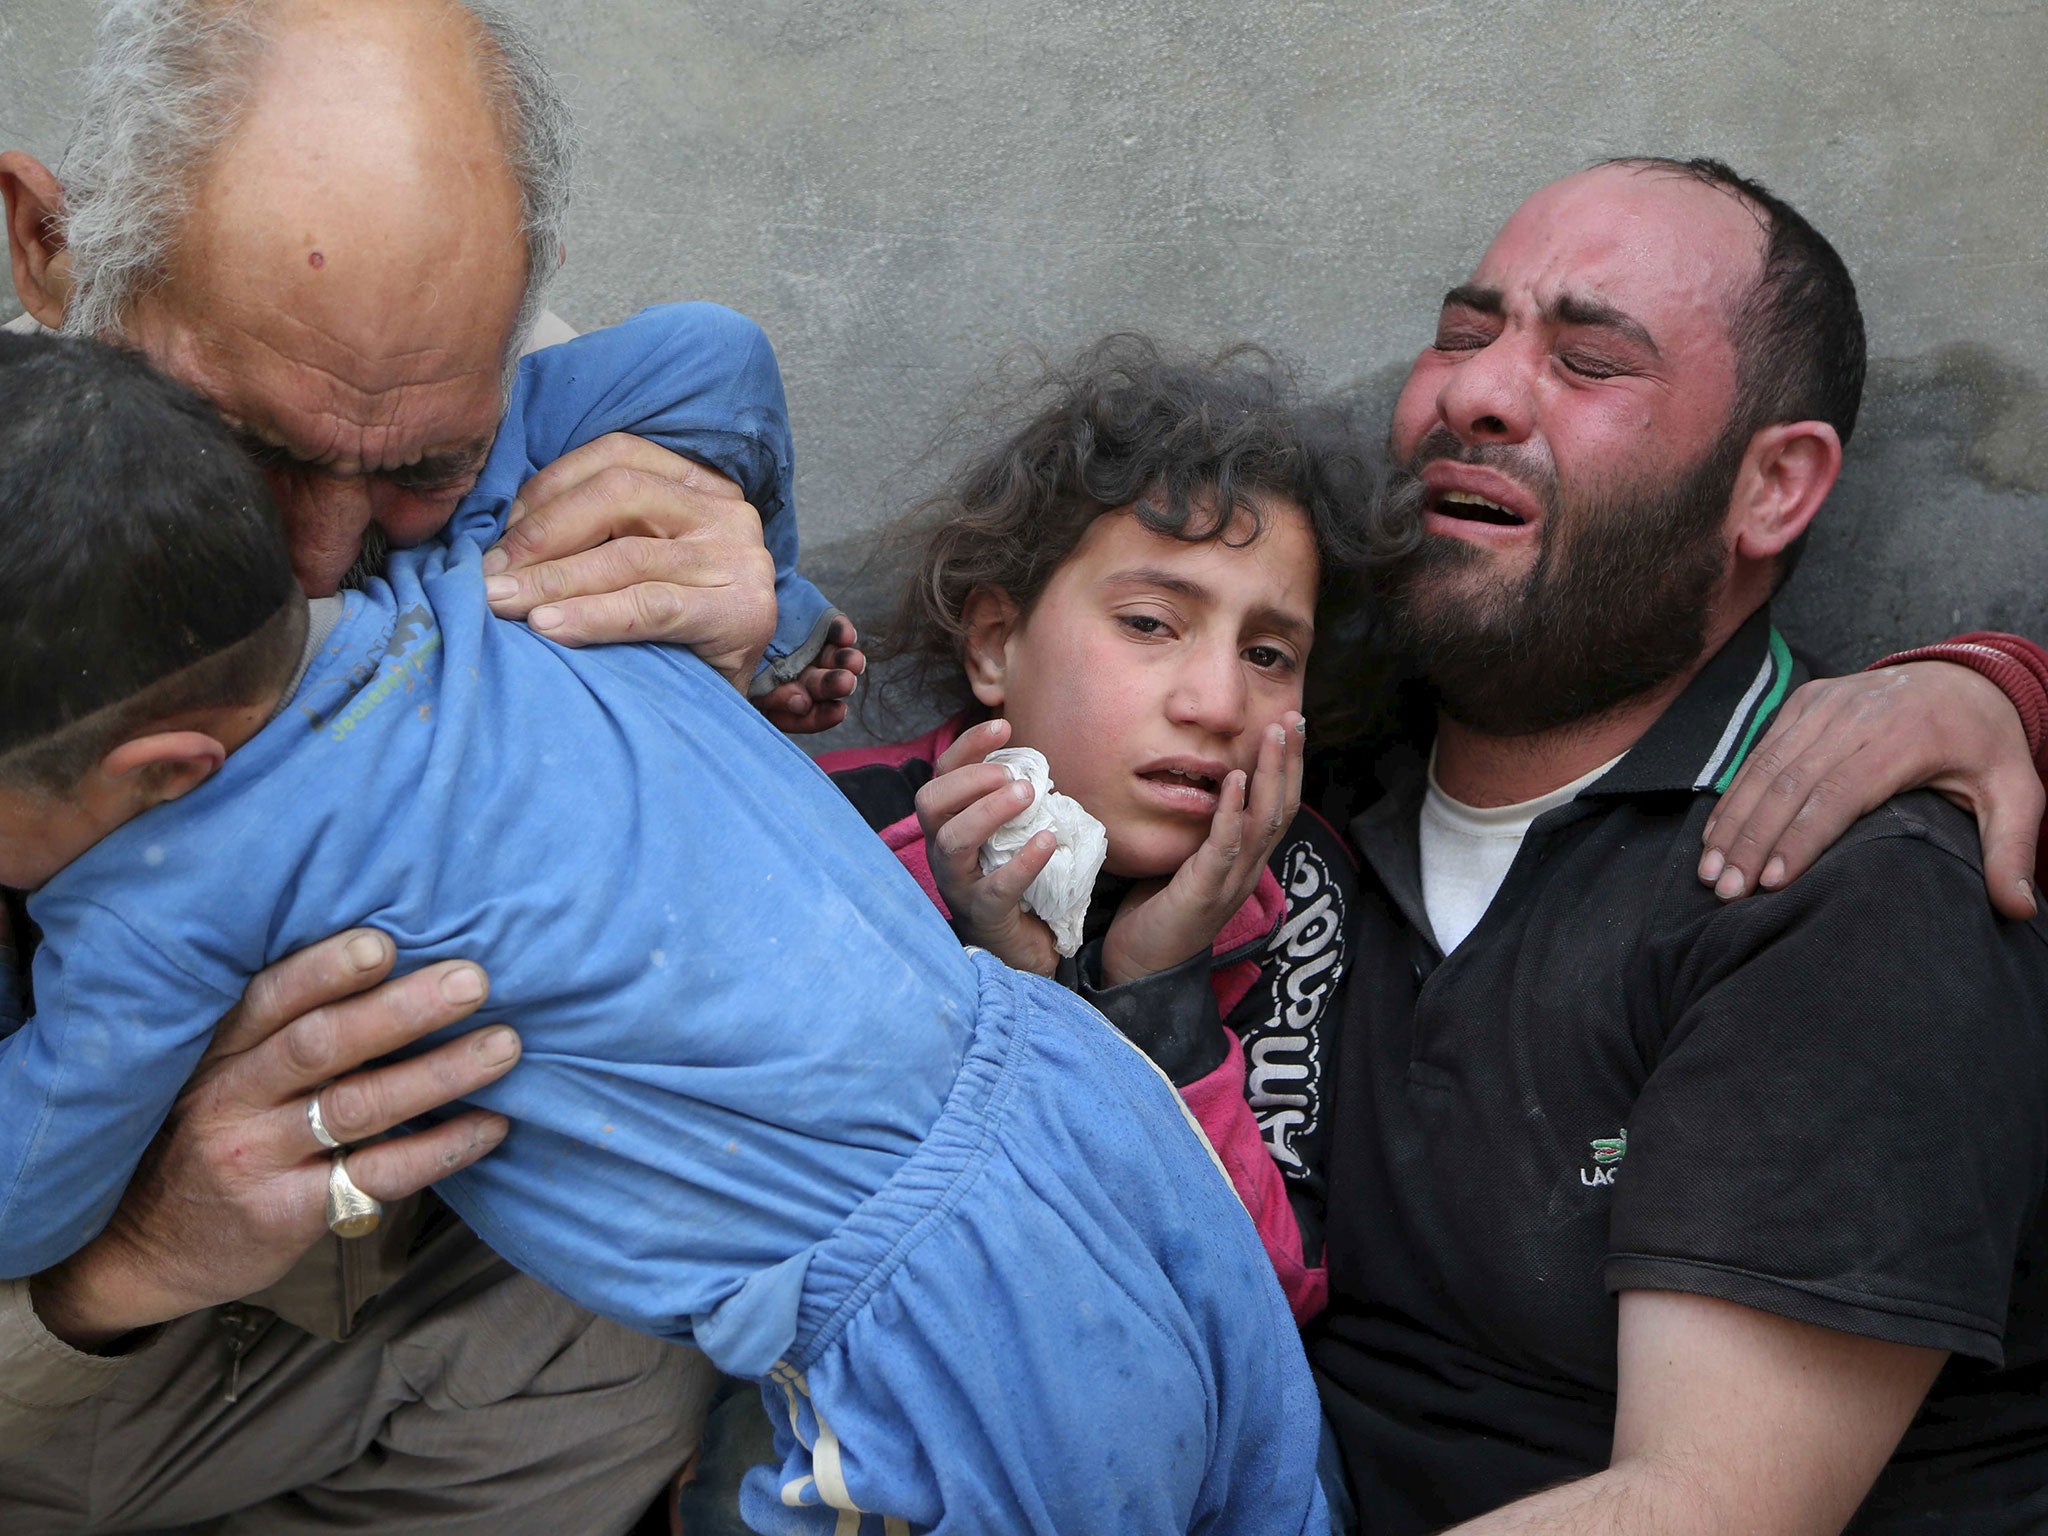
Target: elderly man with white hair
(336, 219)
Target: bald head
(371, 140)
(333, 218)
(363, 219)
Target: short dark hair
(1798, 334)
(143, 567)
(1186, 444)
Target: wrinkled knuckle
(1786, 784)
(657, 607)
(1829, 791)
(350, 1107)
(643, 559)
(615, 484)
(308, 1044)
(263, 997)
(549, 582)
(1769, 758)
(520, 539)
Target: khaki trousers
(468, 1399)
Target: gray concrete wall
(901, 191)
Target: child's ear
(990, 618)
(166, 764)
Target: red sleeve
(1218, 1104)
(2020, 668)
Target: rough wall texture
(902, 191)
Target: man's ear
(35, 236)
(1785, 476)
(990, 618)
(164, 765)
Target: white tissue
(1060, 893)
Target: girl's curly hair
(1188, 446)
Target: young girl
(1131, 584)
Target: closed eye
(1461, 339)
(1590, 367)
(433, 484)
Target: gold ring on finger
(350, 1212)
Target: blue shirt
(739, 1013)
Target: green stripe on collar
(1773, 683)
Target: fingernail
(1020, 791)
(496, 560)
(1707, 832)
(545, 618)
(1711, 865)
(501, 589)
(464, 984)
(2027, 891)
(514, 512)
(494, 1047)
(1729, 886)
(1301, 726)
(365, 951)
(1773, 875)
(491, 1132)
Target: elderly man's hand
(234, 1188)
(623, 540)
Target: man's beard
(368, 564)
(1616, 603)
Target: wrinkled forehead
(1674, 253)
(321, 338)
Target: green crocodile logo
(1608, 1151)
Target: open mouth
(1468, 508)
(1181, 777)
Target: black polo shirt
(1829, 1103)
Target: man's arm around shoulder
(1731, 1420)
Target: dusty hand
(1164, 922)
(233, 1189)
(959, 808)
(815, 699)
(623, 540)
(1842, 746)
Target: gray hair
(168, 83)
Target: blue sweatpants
(1054, 1317)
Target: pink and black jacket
(1246, 1032)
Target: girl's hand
(1164, 922)
(962, 805)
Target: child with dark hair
(1130, 583)
(767, 1104)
